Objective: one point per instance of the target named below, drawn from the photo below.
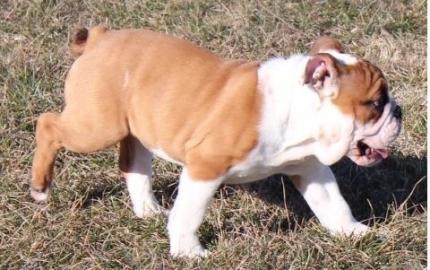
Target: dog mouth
(365, 155)
(372, 153)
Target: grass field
(87, 222)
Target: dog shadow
(101, 192)
(370, 192)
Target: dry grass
(87, 223)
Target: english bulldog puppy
(224, 121)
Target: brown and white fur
(224, 121)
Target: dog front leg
(187, 214)
(319, 188)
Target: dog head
(354, 93)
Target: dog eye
(377, 104)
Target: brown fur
(325, 43)
(170, 94)
(358, 84)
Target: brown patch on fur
(126, 154)
(360, 84)
(77, 44)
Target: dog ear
(322, 74)
(326, 43)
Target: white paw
(353, 229)
(195, 252)
(38, 195)
(188, 247)
(148, 209)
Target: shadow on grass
(370, 192)
(101, 192)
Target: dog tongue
(381, 152)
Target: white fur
(142, 198)
(320, 190)
(187, 215)
(385, 129)
(39, 196)
(139, 184)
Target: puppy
(225, 121)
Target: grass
(87, 223)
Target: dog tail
(83, 38)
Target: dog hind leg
(47, 145)
(135, 164)
(73, 130)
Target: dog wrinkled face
(360, 91)
(377, 118)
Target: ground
(87, 222)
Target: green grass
(87, 223)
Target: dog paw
(355, 229)
(149, 209)
(187, 247)
(358, 229)
(39, 196)
(194, 252)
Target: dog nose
(397, 113)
